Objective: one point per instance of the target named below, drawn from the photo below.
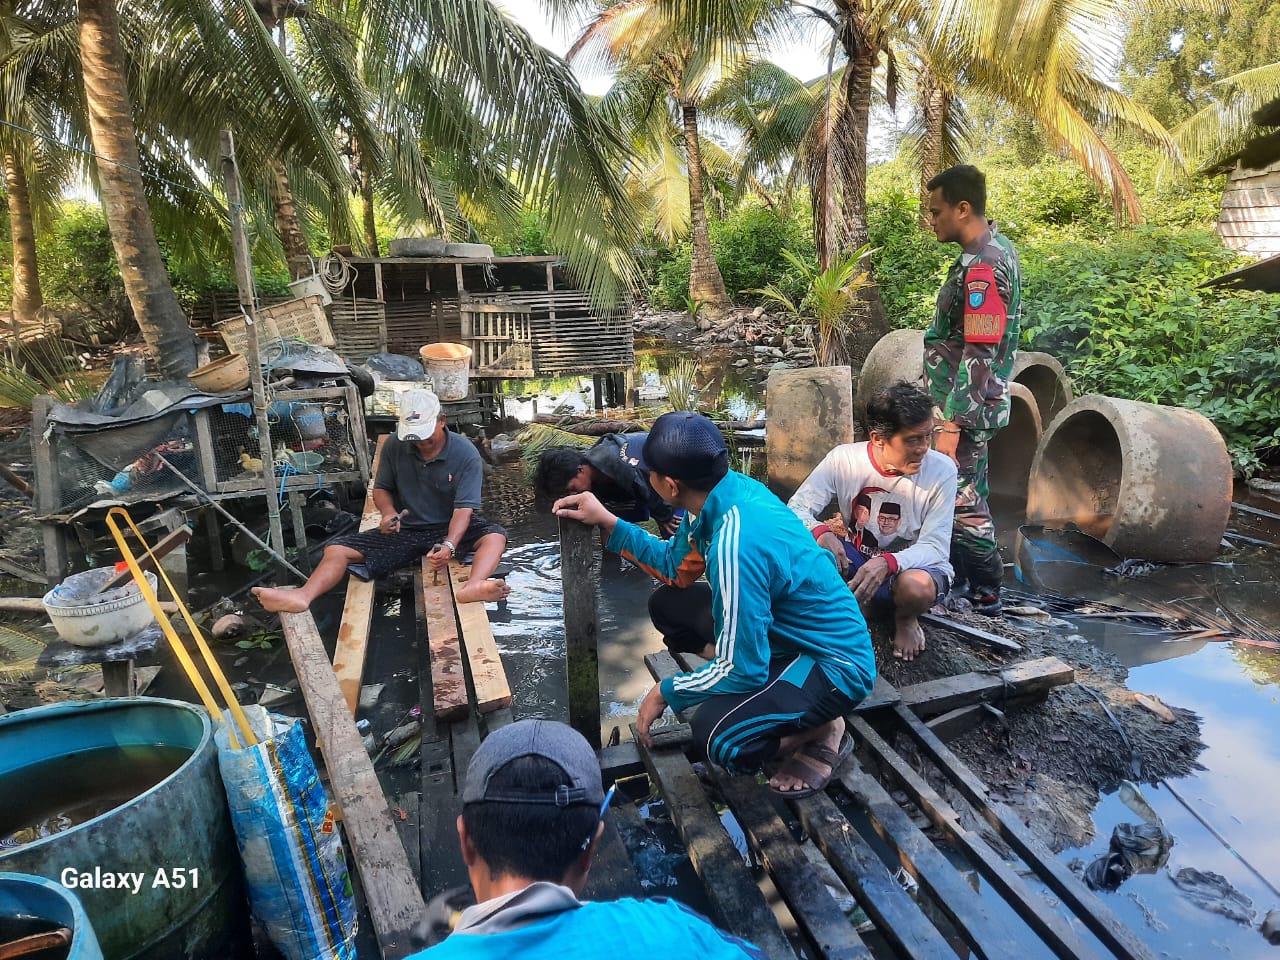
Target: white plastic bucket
(448, 367)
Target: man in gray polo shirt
(428, 493)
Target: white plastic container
(448, 367)
(86, 618)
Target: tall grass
(680, 383)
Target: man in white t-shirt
(898, 558)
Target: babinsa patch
(984, 312)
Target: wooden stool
(116, 659)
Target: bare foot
(908, 639)
(802, 771)
(479, 591)
(281, 599)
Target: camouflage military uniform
(969, 384)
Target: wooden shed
(521, 316)
(1250, 218)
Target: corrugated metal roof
(1263, 275)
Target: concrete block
(808, 412)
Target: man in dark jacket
(614, 469)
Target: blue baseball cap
(687, 446)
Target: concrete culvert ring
(1043, 375)
(1149, 481)
(898, 355)
(1013, 449)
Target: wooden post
(244, 283)
(581, 627)
(57, 562)
(296, 502)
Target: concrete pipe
(898, 355)
(1013, 449)
(1043, 375)
(1151, 482)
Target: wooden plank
(581, 627)
(896, 916)
(448, 678)
(1017, 681)
(357, 612)
(487, 674)
(990, 931)
(1049, 925)
(736, 901)
(985, 637)
(391, 891)
(796, 878)
(951, 724)
(883, 694)
(1069, 888)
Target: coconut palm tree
(1244, 103)
(659, 65)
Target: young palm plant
(830, 302)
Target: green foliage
(679, 381)
(1172, 57)
(830, 300)
(528, 238)
(1129, 320)
(748, 246)
(909, 263)
(47, 365)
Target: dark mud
(1050, 760)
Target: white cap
(419, 412)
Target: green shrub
(908, 261)
(1129, 320)
(748, 246)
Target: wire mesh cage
(130, 464)
(307, 437)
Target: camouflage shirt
(969, 382)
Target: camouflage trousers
(973, 534)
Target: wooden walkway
(938, 867)
(927, 896)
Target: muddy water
(65, 791)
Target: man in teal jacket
(792, 654)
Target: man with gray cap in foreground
(428, 493)
(788, 650)
(533, 812)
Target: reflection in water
(530, 632)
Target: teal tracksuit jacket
(775, 593)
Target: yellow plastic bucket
(448, 367)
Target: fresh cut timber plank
(739, 905)
(353, 631)
(1016, 681)
(448, 678)
(391, 890)
(487, 673)
(1048, 924)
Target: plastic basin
(25, 896)
(87, 618)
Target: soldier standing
(969, 351)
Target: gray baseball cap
(554, 741)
